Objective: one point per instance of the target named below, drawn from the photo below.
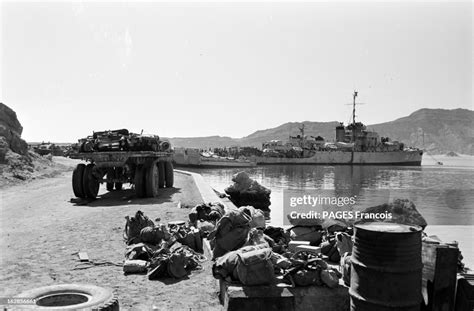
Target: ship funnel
(340, 132)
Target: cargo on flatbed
(118, 157)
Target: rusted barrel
(386, 267)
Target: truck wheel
(169, 174)
(90, 183)
(140, 189)
(110, 174)
(161, 171)
(77, 187)
(151, 180)
(71, 297)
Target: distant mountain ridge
(435, 130)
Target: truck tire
(140, 188)
(161, 170)
(169, 174)
(152, 179)
(71, 297)
(77, 187)
(90, 183)
(110, 174)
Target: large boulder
(248, 192)
(10, 130)
(403, 212)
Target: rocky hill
(17, 163)
(10, 133)
(436, 130)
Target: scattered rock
(452, 154)
(248, 192)
(403, 212)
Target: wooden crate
(439, 276)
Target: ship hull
(216, 164)
(192, 158)
(411, 158)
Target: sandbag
(231, 232)
(224, 266)
(134, 225)
(255, 267)
(152, 235)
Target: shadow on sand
(127, 197)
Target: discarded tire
(152, 179)
(71, 297)
(140, 189)
(77, 186)
(90, 183)
(169, 174)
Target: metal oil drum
(386, 271)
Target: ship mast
(354, 95)
(354, 117)
(354, 107)
(302, 135)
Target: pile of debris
(248, 192)
(161, 251)
(120, 140)
(250, 253)
(306, 254)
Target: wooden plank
(439, 276)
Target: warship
(354, 145)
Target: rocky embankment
(17, 162)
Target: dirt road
(42, 231)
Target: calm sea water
(443, 194)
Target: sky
(229, 69)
